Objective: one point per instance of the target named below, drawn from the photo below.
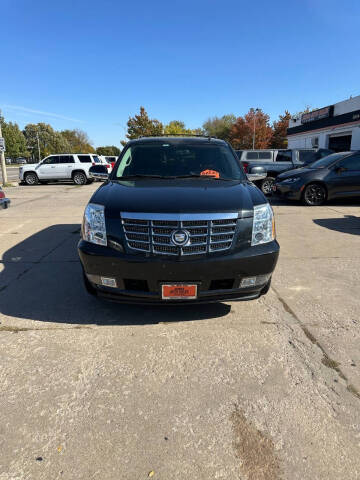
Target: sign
(2, 144)
(317, 114)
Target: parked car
(110, 159)
(334, 176)
(103, 161)
(8, 161)
(177, 221)
(275, 162)
(4, 202)
(59, 167)
(21, 161)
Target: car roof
(178, 140)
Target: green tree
(78, 140)
(111, 150)
(15, 141)
(176, 127)
(279, 136)
(50, 141)
(220, 127)
(141, 126)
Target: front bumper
(148, 273)
(290, 191)
(4, 203)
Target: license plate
(178, 291)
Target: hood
(295, 172)
(178, 196)
(32, 165)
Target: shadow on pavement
(41, 280)
(347, 224)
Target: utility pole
(2, 158)
(255, 113)
(37, 136)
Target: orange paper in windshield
(211, 173)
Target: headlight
(291, 180)
(263, 225)
(93, 227)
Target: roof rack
(178, 135)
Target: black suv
(177, 221)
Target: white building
(336, 127)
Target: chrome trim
(179, 216)
(197, 244)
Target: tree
(78, 140)
(50, 141)
(141, 126)
(220, 127)
(176, 127)
(241, 135)
(111, 150)
(279, 136)
(15, 141)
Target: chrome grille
(151, 232)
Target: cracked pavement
(261, 390)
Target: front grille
(152, 233)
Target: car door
(344, 177)
(65, 167)
(46, 170)
(284, 161)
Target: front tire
(79, 178)
(266, 185)
(88, 287)
(314, 195)
(265, 290)
(31, 179)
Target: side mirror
(98, 172)
(256, 173)
(340, 169)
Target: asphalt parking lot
(261, 390)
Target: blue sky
(90, 64)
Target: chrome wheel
(267, 185)
(31, 179)
(79, 178)
(314, 194)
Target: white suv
(59, 167)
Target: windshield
(179, 160)
(326, 161)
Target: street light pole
(2, 159)
(255, 113)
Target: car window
(328, 160)
(264, 155)
(252, 156)
(51, 160)
(172, 160)
(351, 164)
(66, 159)
(96, 159)
(307, 156)
(84, 158)
(285, 156)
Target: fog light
(262, 279)
(255, 281)
(108, 282)
(248, 282)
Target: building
(336, 127)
